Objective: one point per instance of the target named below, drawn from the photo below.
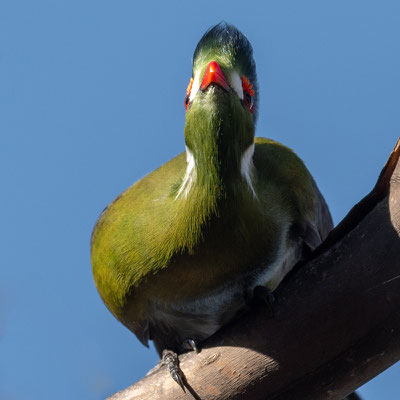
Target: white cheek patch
(246, 167)
(190, 175)
(195, 87)
(236, 83)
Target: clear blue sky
(91, 99)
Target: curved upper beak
(214, 74)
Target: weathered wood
(336, 323)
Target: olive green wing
(126, 238)
(310, 215)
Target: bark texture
(336, 323)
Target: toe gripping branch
(190, 344)
(171, 360)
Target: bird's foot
(170, 359)
(263, 295)
(190, 344)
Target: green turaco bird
(178, 254)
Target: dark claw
(170, 359)
(191, 344)
(177, 378)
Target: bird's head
(222, 98)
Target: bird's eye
(248, 94)
(187, 101)
(248, 99)
(188, 90)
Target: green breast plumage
(150, 244)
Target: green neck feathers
(218, 132)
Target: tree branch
(336, 323)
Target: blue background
(91, 99)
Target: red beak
(214, 74)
